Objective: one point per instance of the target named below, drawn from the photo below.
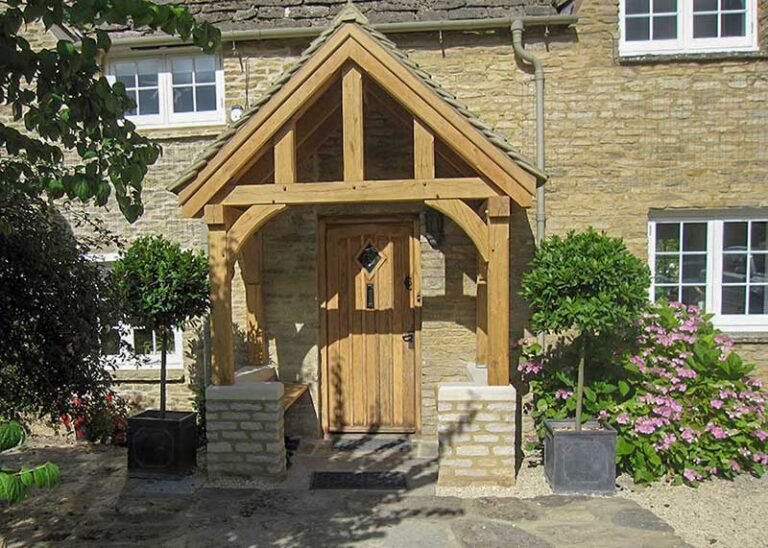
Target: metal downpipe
(517, 41)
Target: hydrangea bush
(684, 404)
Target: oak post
(219, 262)
(423, 151)
(285, 155)
(481, 306)
(251, 268)
(498, 291)
(352, 112)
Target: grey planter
(580, 462)
(162, 448)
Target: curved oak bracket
(464, 216)
(249, 222)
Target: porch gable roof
(198, 185)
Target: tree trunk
(163, 362)
(580, 384)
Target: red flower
(109, 397)
(66, 420)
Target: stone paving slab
(95, 505)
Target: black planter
(163, 448)
(580, 462)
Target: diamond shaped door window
(369, 258)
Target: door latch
(410, 338)
(408, 283)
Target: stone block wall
(245, 430)
(476, 432)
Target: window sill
(175, 131)
(147, 375)
(748, 337)
(691, 57)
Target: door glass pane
(757, 270)
(735, 268)
(182, 71)
(669, 294)
(695, 295)
(695, 237)
(733, 24)
(142, 341)
(206, 98)
(638, 6)
(667, 269)
(734, 300)
(668, 237)
(758, 299)
(705, 26)
(665, 28)
(694, 269)
(735, 236)
(759, 236)
(149, 102)
(182, 100)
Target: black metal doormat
(358, 480)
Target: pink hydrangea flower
(760, 434)
(563, 394)
(623, 419)
(688, 435)
(716, 404)
(691, 475)
(735, 466)
(717, 432)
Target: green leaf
(12, 434)
(623, 388)
(11, 488)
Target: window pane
(668, 237)
(695, 295)
(704, 5)
(129, 81)
(759, 236)
(705, 26)
(733, 24)
(170, 343)
(182, 100)
(665, 28)
(125, 69)
(695, 237)
(757, 272)
(182, 71)
(735, 237)
(758, 299)
(149, 102)
(734, 268)
(110, 342)
(638, 28)
(206, 98)
(148, 73)
(694, 268)
(734, 300)
(732, 4)
(638, 6)
(669, 294)
(132, 96)
(142, 341)
(664, 6)
(205, 70)
(667, 269)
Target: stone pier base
(244, 424)
(476, 429)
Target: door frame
(416, 300)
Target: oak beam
(423, 151)
(251, 221)
(219, 264)
(498, 292)
(352, 109)
(469, 221)
(251, 259)
(285, 155)
(405, 190)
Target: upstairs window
(719, 265)
(687, 26)
(172, 90)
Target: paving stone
(492, 534)
(507, 509)
(640, 518)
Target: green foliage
(61, 103)
(159, 285)
(14, 485)
(52, 307)
(587, 282)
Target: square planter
(580, 462)
(162, 447)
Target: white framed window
(146, 343)
(172, 90)
(648, 27)
(719, 264)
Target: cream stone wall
(622, 138)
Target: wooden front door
(370, 372)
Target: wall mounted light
(433, 227)
(235, 113)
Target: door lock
(408, 283)
(410, 338)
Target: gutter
(517, 28)
(385, 28)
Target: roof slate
(352, 14)
(257, 14)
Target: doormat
(371, 444)
(358, 480)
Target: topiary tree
(160, 286)
(586, 282)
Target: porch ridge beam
(403, 190)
